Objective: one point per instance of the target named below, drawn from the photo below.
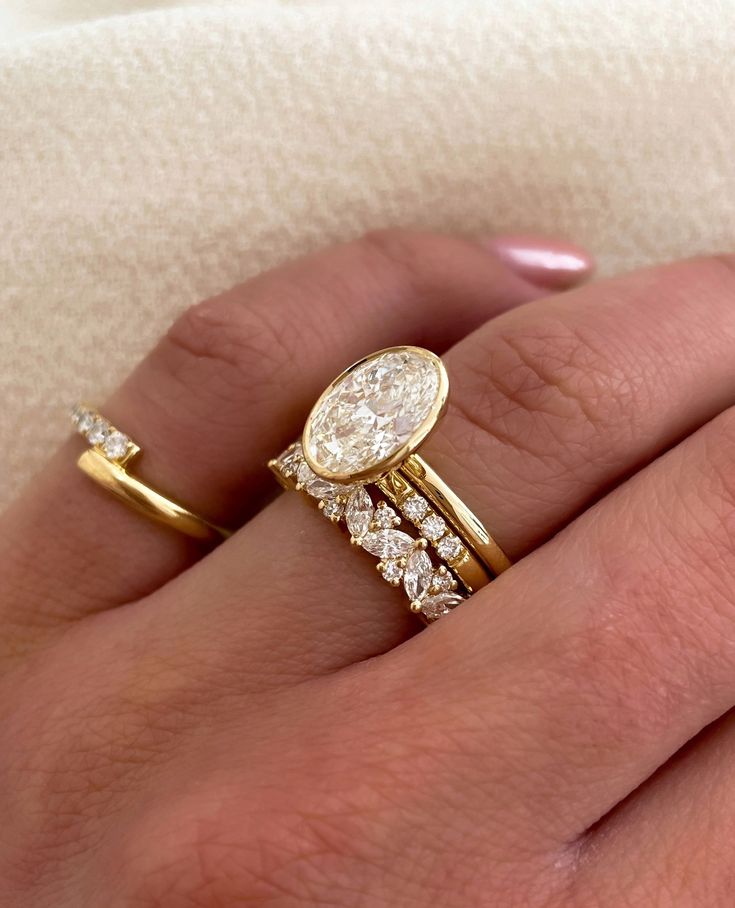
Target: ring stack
(358, 459)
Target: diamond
(333, 508)
(415, 508)
(359, 512)
(98, 431)
(449, 548)
(442, 581)
(288, 463)
(434, 607)
(417, 575)
(392, 572)
(387, 543)
(316, 486)
(373, 411)
(116, 445)
(433, 527)
(385, 517)
(83, 418)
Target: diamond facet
(373, 411)
(387, 543)
(415, 508)
(417, 575)
(359, 512)
(385, 517)
(83, 418)
(441, 604)
(116, 445)
(433, 527)
(288, 463)
(449, 547)
(97, 431)
(333, 508)
(315, 485)
(392, 572)
(442, 581)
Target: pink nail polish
(551, 263)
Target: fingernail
(550, 263)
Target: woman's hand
(190, 729)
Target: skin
(262, 725)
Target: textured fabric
(148, 160)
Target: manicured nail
(550, 263)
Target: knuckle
(223, 347)
(549, 381)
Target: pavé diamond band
(106, 462)
(358, 458)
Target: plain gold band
(148, 501)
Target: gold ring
(359, 458)
(106, 462)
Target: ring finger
(552, 405)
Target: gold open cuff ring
(106, 462)
(358, 457)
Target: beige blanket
(150, 159)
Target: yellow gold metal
(469, 567)
(442, 518)
(467, 526)
(115, 478)
(418, 436)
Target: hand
(261, 725)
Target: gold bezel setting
(375, 471)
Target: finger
(551, 405)
(229, 384)
(610, 647)
(673, 836)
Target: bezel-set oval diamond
(375, 414)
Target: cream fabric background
(150, 159)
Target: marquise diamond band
(375, 526)
(358, 458)
(106, 462)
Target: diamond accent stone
(449, 548)
(333, 508)
(316, 486)
(97, 432)
(83, 418)
(417, 574)
(385, 517)
(415, 508)
(386, 544)
(433, 527)
(288, 463)
(359, 512)
(373, 411)
(442, 581)
(435, 607)
(116, 445)
(392, 572)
